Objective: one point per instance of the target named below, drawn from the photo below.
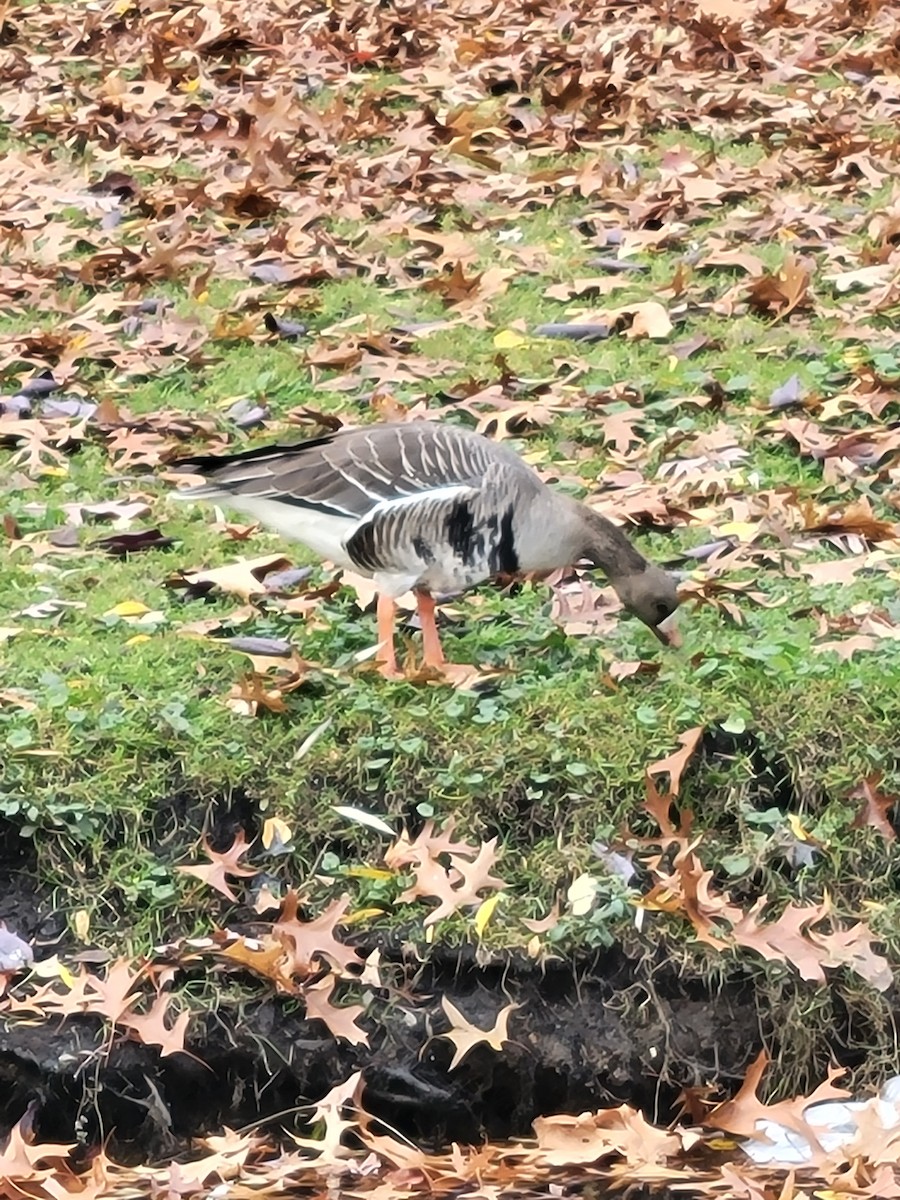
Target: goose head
(652, 595)
(644, 588)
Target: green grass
(561, 753)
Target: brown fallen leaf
(464, 677)
(595, 285)
(40, 445)
(786, 939)
(366, 592)
(619, 670)
(312, 944)
(854, 948)
(265, 956)
(131, 541)
(515, 421)
(465, 1036)
(855, 517)
(544, 924)
(659, 805)
(21, 1157)
(566, 1141)
(674, 764)
(580, 606)
(151, 1028)
(244, 578)
(863, 277)
(341, 1020)
(845, 648)
(739, 1115)
(836, 571)
(646, 319)
(327, 1112)
(455, 884)
(876, 807)
(780, 293)
(110, 996)
(223, 864)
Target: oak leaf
(223, 864)
(309, 941)
(740, 1114)
(466, 1037)
(327, 1113)
(565, 1141)
(245, 577)
(876, 807)
(340, 1020)
(151, 1028)
(779, 293)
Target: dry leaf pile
(617, 1147)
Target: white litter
(831, 1122)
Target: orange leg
(385, 612)
(433, 655)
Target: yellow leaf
(429, 935)
(202, 297)
(81, 923)
(582, 894)
(508, 339)
(672, 362)
(377, 873)
(50, 968)
(56, 472)
(127, 608)
(797, 828)
(66, 976)
(276, 830)
(190, 85)
(137, 639)
(744, 531)
(362, 914)
(666, 901)
(485, 912)
(721, 1143)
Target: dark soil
(595, 1034)
(599, 1030)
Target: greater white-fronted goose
(430, 507)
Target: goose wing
(449, 537)
(351, 472)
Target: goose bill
(668, 632)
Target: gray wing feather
(463, 532)
(352, 471)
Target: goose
(430, 507)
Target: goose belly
(323, 533)
(449, 573)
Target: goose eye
(663, 610)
